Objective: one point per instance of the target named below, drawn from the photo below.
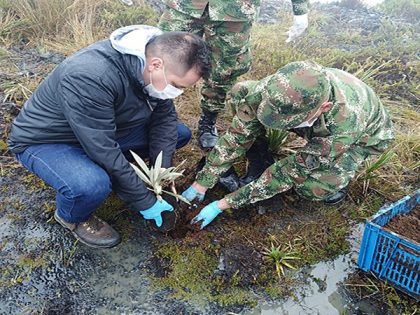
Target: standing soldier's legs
(231, 57)
(173, 20)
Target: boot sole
(82, 240)
(335, 202)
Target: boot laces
(207, 124)
(94, 224)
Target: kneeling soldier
(341, 118)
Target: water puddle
(324, 292)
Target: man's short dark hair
(182, 49)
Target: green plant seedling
(280, 257)
(275, 139)
(157, 177)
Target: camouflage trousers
(229, 43)
(310, 179)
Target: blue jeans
(80, 183)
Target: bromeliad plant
(275, 139)
(157, 177)
(280, 257)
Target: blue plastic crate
(388, 255)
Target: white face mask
(307, 123)
(168, 92)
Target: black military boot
(229, 180)
(259, 159)
(207, 132)
(337, 197)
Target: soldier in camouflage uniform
(341, 118)
(226, 26)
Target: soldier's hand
(207, 214)
(195, 191)
(300, 24)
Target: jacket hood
(132, 40)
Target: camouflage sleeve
(319, 154)
(300, 7)
(232, 145)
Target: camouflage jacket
(229, 10)
(357, 121)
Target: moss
(190, 276)
(278, 290)
(31, 262)
(3, 145)
(21, 270)
(33, 182)
(115, 212)
(236, 296)
(190, 272)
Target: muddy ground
(219, 270)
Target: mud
(177, 224)
(240, 259)
(169, 218)
(407, 225)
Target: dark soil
(242, 260)
(184, 226)
(407, 225)
(177, 223)
(169, 218)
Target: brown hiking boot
(94, 232)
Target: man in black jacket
(104, 100)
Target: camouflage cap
(244, 100)
(291, 93)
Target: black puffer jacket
(91, 99)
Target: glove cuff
(215, 206)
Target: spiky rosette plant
(157, 177)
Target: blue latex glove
(207, 214)
(191, 193)
(155, 211)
